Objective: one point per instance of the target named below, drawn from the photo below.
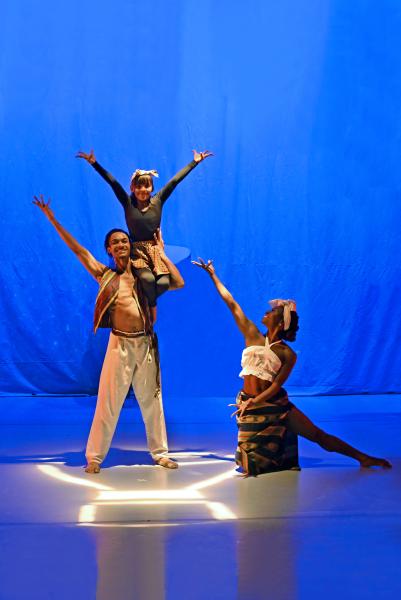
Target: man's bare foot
(153, 313)
(372, 461)
(163, 461)
(92, 467)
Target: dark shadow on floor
(314, 463)
(121, 457)
(116, 457)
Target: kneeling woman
(268, 423)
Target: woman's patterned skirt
(265, 443)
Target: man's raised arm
(95, 268)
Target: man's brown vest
(107, 295)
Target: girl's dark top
(142, 225)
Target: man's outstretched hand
(158, 239)
(44, 206)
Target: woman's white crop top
(260, 361)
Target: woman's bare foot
(163, 461)
(92, 467)
(372, 461)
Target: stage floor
(200, 532)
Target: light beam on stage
(188, 495)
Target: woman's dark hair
(110, 233)
(291, 333)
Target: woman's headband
(288, 306)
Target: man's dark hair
(110, 233)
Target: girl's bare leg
(301, 425)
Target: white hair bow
(140, 172)
(288, 306)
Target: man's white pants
(128, 361)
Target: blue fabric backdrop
(300, 102)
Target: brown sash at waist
(126, 334)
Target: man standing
(131, 356)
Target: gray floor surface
(201, 532)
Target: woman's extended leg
(300, 424)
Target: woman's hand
(245, 405)
(203, 265)
(44, 206)
(199, 156)
(90, 158)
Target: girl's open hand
(90, 158)
(199, 156)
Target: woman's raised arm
(245, 325)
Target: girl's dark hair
(110, 233)
(145, 180)
(291, 333)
